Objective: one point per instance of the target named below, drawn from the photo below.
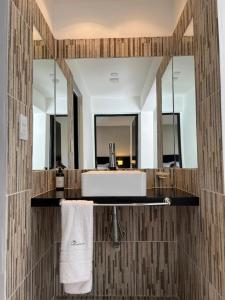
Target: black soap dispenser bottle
(60, 180)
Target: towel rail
(167, 201)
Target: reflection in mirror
(123, 132)
(61, 119)
(123, 86)
(171, 140)
(170, 149)
(185, 108)
(190, 29)
(43, 110)
(179, 113)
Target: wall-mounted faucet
(112, 156)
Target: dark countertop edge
(189, 200)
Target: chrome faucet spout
(112, 156)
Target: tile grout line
(30, 272)
(199, 270)
(22, 16)
(26, 106)
(18, 193)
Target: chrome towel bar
(167, 201)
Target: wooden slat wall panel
(149, 230)
(29, 236)
(118, 47)
(20, 59)
(187, 180)
(185, 47)
(18, 241)
(138, 275)
(43, 28)
(183, 23)
(200, 231)
(40, 50)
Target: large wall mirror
(119, 105)
(43, 106)
(50, 109)
(179, 113)
(114, 101)
(61, 119)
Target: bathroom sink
(113, 183)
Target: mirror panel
(61, 119)
(185, 109)
(43, 107)
(170, 149)
(179, 113)
(117, 87)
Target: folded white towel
(76, 246)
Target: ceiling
(43, 79)
(184, 75)
(36, 35)
(111, 18)
(43, 72)
(96, 74)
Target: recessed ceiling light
(114, 80)
(114, 74)
(56, 80)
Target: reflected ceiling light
(114, 74)
(114, 80)
(52, 76)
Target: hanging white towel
(76, 258)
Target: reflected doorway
(121, 130)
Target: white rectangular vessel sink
(113, 183)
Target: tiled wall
(150, 247)
(19, 152)
(117, 47)
(145, 265)
(201, 231)
(29, 238)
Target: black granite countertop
(155, 196)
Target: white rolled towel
(76, 257)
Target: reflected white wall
(40, 156)
(189, 132)
(42, 108)
(221, 21)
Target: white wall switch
(23, 128)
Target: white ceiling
(36, 35)
(43, 70)
(184, 72)
(111, 18)
(95, 73)
(184, 75)
(190, 30)
(43, 79)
